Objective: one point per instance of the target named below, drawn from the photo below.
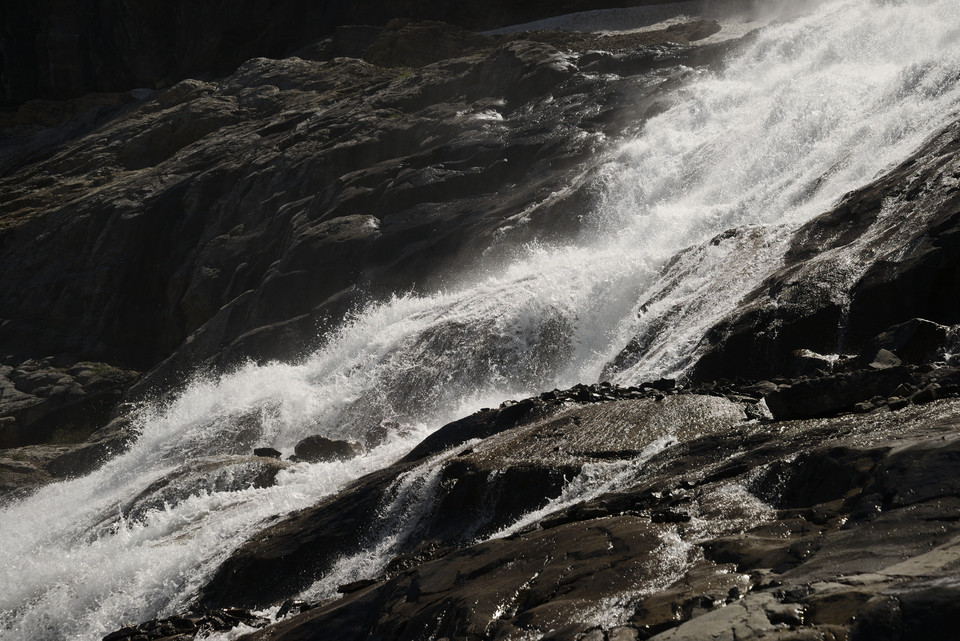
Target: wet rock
(267, 452)
(664, 384)
(211, 474)
(805, 362)
(884, 359)
(106, 442)
(317, 449)
(907, 269)
(470, 496)
(781, 534)
(355, 586)
(189, 625)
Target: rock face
(720, 531)
(211, 222)
(521, 464)
(57, 399)
(204, 223)
(853, 274)
(65, 48)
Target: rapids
(807, 110)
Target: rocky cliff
(58, 49)
(240, 197)
(211, 222)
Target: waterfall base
(636, 513)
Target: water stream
(811, 108)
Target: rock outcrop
(886, 254)
(200, 224)
(58, 400)
(209, 222)
(688, 521)
(57, 49)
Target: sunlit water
(809, 110)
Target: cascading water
(808, 110)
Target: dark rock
(65, 49)
(267, 452)
(805, 362)
(122, 633)
(355, 586)
(316, 448)
(479, 425)
(664, 384)
(915, 341)
(827, 396)
(185, 626)
(927, 394)
(106, 442)
(209, 263)
(879, 619)
(58, 400)
(884, 359)
(760, 389)
(777, 573)
(897, 403)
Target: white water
(812, 109)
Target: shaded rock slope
(59, 49)
(247, 211)
(195, 226)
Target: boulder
(319, 449)
(916, 341)
(829, 395)
(266, 452)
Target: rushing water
(810, 109)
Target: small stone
(884, 359)
(896, 403)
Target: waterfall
(807, 110)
